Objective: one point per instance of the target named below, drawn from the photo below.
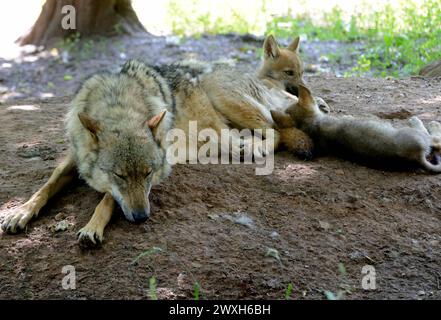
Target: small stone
(274, 234)
(421, 293)
(172, 40)
(324, 59)
(213, 216)
(61, 226)
(271, 252)
(434, 243)
(181, 280)
(339, 172)
(244, 220)
(65, 57)
(356, 255)
(324, 225)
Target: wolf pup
(363, 139)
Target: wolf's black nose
(140, 216)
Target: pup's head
(305, 109)
(282, 65)
(127, 162)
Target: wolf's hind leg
(19, 217)
(416, 123)
(92, 233)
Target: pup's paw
(89, 237)
(17, 220)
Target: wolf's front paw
(17, 220)
(90, 237)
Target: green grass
(288, 291)
(152, 289)
(197, 289)
(399, 41)
(399, 36)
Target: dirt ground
(313, 224)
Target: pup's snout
(140, 216)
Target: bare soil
(314, 224)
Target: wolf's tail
(436, 168)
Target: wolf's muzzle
(140, 216)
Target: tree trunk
(432, 69)
(93, 17)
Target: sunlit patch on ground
(24, 108)
(296, 171)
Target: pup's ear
(90, 124)
(295, 45)
(305, 96)
(270, 48)
(281, 119)
(154, 122)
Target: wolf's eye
(148, 173)
(289, 72)
(118, 176)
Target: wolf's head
(128, 161)
(305, 110)
(282, 65)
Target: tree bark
(432, 69)
(93, 17)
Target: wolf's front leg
(19, 217)
(92, 233)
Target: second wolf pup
(367, 140)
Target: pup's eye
(289, 72)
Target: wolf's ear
(270, 48)
(90, 124)
(154, 122)
(295, 45)
(281, 119)
(305, 96)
